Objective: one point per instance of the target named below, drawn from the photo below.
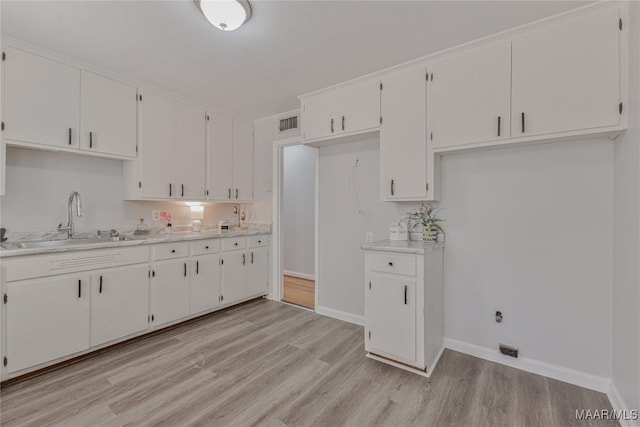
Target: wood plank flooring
(270, 364)
(299, 291)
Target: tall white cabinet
(404, 318)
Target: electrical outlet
(155, 215)
(368, 237)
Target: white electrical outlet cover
(155, 215)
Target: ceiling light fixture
(227, 15)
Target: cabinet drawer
(258, 241)
(392, 263)
(202, 247)
(170, 250)
(233, 243)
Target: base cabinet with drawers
(404, 304)
(61, 305)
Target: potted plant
(427, 216)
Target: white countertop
(151, 240)
(403, 246)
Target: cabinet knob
(259, 241)
(390, 264)
(206, 247)
(236, 244)
(173, 251)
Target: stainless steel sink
(67, 242)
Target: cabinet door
(566, 77)
(469, 96)
(403, 146)
(41, 100)
(205, 283)
(170, 291)
(157, 133)
(258, 274)
(189, 152)
(46, 319)
(242, 162)
(119, 303)
(358, 107)
(219, 158)
(108, 111)
(317, 116)
(233, 276)
(391, 317)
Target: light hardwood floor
(299, 291)
(270, 364)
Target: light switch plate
(155, 215)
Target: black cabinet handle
(100, 289)
(390, 264)
(342, 122)
(405, 294)
(331, 125)
(185, 269)
(244, 259)
(182, 185)
(251, 257)
(236, 194)
(90, 139)
(229, 194)
(170, 189)
(392, 187)
(498, 125)
(79, 288)
(522, 122)
(70, 136)
(197, 267)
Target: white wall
(626, 284)
(38, 186)
(528, 232)
(298, 213)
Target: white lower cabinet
(392, 314)
(170, 293)
(233, 277)
(205, 283)
(404, 304)
(47, 318)
(119, 303)
(258, 268)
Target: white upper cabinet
(468, 96)
(108, 116)
(219, 153)
(344, 111)
(229, 160)
(403, 146)
(189, 151)
(242, 162)
(157, 133)
(41, 100)
(566, 77)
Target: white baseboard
(571, 376)
(618, 404)
(340, 315)
(299, 275)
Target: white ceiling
(287, 48)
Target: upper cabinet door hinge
(5, 298)
(620, 108)
(620, 24)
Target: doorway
(297, 229)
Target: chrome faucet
(69, 227)
(236, 211)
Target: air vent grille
(288, 123)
